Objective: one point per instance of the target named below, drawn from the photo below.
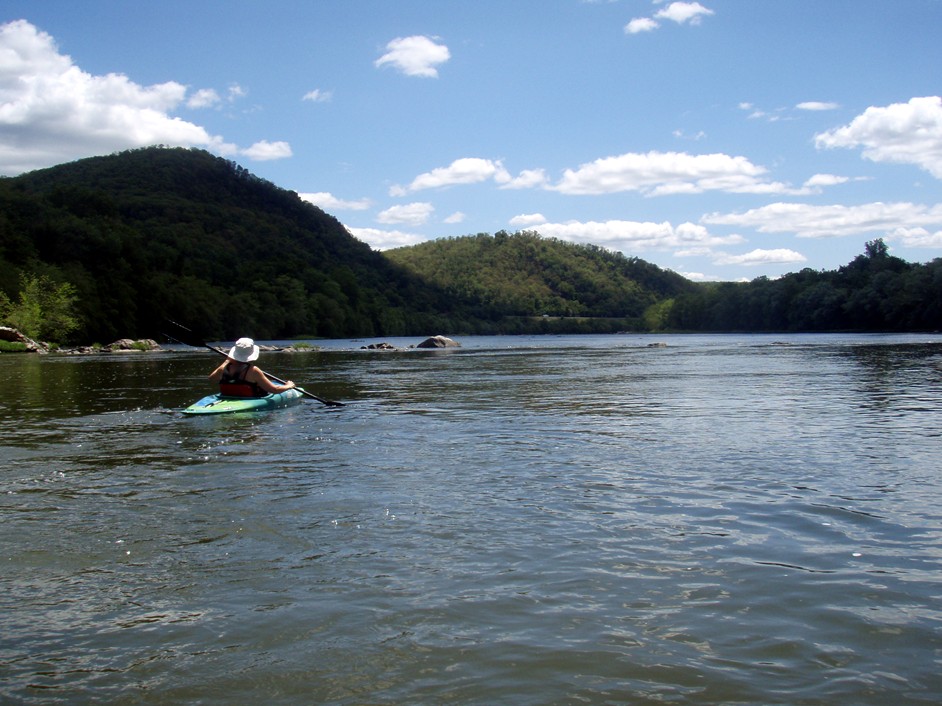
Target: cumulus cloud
(779, 256)
(641, 24)
(682, 12)
(651, 173)
(204, 98)
(661, 173)
(635, 236)
(679, 12)
(456, 217)
(468, 170)
(413, 214)
(916, 238)
(385, 239)
(264, 151)
(902, 133)
(833, 221)
(525, 220)
(414, 56)
(527, 179)
(52, 112)
(329, 202)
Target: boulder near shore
(12, 335)
(438, 342)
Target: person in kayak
(238, 377)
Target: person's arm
(259, 378)
(217, 374)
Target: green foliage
(656, 316)
(874, 292)
(43, 311)
(12, 347)
(525, 275)
(156, 234)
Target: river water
(523, 520)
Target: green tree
(44, 309)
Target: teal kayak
(221, 404)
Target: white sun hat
(244, 350)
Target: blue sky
(722, 139)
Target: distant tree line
(874, 292)
(112, 247)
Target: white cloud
(413, 214)
(902, 133)
(329, 202)
(264, 151)
(53, 112)
(681, 12)
(697, 276)
(834, 221)
(525, 220)
(819, 180)
(468, 170)
(317, 96)
(634, 236)
(652, 173)
(817, 105)
(527, 179)
(385, 239)
(661, 173)
(780, 256)
(641, 24)
(916, 238)
(414, 56)
(456, 217)
(203, 98)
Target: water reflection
(721, 520)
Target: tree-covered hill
(140, 237)
(523, 274)
(163, 233)
(171, 233)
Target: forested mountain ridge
(160, 233)
(164, 233)
(171, 233)
(523, 274)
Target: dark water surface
(559, 520)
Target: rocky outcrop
(127, 344)
(11, 335)
(122, 345)
(438, 342)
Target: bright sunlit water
(524, 520)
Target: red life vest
(235, 384)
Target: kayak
(221, 404)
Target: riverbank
(14, 341)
